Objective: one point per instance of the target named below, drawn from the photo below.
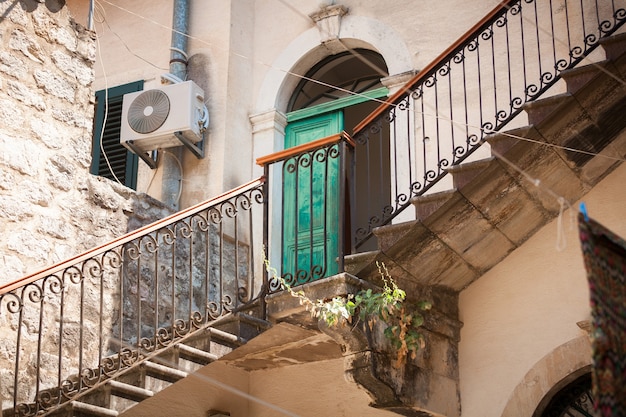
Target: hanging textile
(605, 260)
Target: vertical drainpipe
(90, 15)
(180, 26)
(172, 170)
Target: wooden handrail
(305, 147)
(426, 71)
(130, 236)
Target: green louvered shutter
(123, 162)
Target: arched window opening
(573, 400)
(339, 76)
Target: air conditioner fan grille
(148, 111)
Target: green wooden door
(311, 201)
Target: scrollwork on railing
(84, 321)
(310, 209)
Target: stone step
(500, 199)
(541, 109)
(358, 264)
(243, 325)
(226, 337)
(196, 355)
(577, 77)
(587, 121)
(254, 321)
(161, 369)
(162, 372)
(614, 46)
(157, 373)
(81, 409)
(130, 392)
(498, 203)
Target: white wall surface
(529, 305)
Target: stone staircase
(155, 372)
(498, 203)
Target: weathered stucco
(515, 316)
(246, 72)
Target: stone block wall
(51, 208)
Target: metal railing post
(266, 249)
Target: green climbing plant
(403, 321)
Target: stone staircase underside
(150, 375)
(498, 203)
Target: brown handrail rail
(130, 236)
(426, 71)
(305, 147)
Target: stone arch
(567, 360)
(306, 50)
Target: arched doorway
(569, 398)
(333, 96)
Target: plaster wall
(241, 53)
(217, 37)
(528, 306)
(135, 43)
(304, 390)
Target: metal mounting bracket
(197, 150)
(148, 159)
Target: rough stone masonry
(51, 208)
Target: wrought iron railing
(309, 209)
(85, 320)
(476, 87)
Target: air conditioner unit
(152, 119)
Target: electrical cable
(154, 172)
(171, 78)
(536, 182)
(180, 51)
(103, 20)
(563, 203)
(561, 200)
(106, 111)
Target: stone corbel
(426, 386)
(422, 387)
(359, 363)
(368, 365)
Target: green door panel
(311, 202)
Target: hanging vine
(404, 321)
